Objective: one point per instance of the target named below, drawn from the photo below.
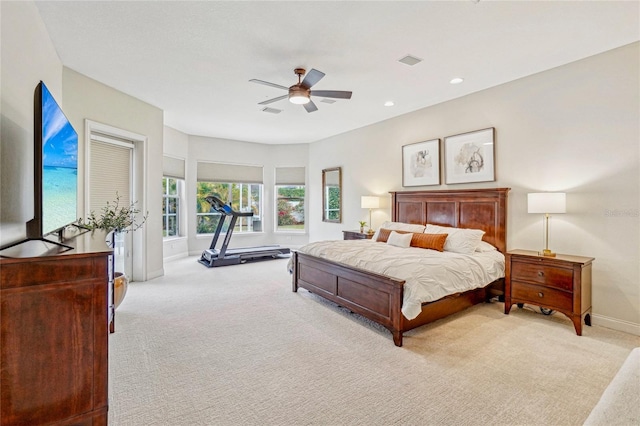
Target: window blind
(173, 167)
(231, 173)
(289, 175)
(110, 172)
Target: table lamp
(370, 202)
(547, 203)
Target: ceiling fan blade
(312, 78)
(270, 101)
(310, 106)
(339, 94)
(266, 83)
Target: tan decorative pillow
(383, 234)
(429, 241)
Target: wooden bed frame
(379, 297)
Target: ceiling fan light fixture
(299, 99)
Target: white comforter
(429, 274)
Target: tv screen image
(59, 166)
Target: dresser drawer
(545, 296)
(550, 276)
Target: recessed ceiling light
(456, 80)
(389, 103)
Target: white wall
(246, 153)
(575, 128)
(28, 56)
(86, 98)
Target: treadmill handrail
(226, 210)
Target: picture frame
(421, 163)
(470, 157)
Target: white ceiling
(194, 60)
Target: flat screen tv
(55, 167)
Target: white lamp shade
(547, 202)
(369, 202)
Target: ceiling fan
(301, 92)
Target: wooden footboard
(374, 296)
(378, 297)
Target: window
(172, 192)
(290, 199)
(290, 206)
(241, 196)
(170, 207)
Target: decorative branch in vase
(362, 225)
(115, 218)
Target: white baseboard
(616, 324)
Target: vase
(362, 229)
(120, 285)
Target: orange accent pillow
(429, 241)
(383, 234)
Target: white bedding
(429, 274)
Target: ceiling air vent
(410, 60)
(328, 101)
(271, 110)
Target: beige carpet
(234, 346)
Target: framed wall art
(421, 163)
(469, 157)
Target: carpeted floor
(234, 346)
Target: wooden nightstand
(561, 283)
(356, 235)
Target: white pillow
(460, 240)
(485, 246)
(399, 240)
(398, 226)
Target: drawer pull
(540, 273)
(540, 295)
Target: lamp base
(371, 231)
(548, 253)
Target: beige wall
(246, 153)
(176, 144)
(28, 56)
(574, 128)
(86, 98)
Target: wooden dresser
(561, 283)
(54, 333)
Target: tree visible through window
(290, 208)
(332, 197)
(241, 196)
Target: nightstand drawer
(355, 235)
(545, 296)
(548, 275)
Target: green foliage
(291, 207)
(115, 218)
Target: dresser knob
(541, 274)
(540, 295)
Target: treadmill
(234, 256)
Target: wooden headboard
(484, 209)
